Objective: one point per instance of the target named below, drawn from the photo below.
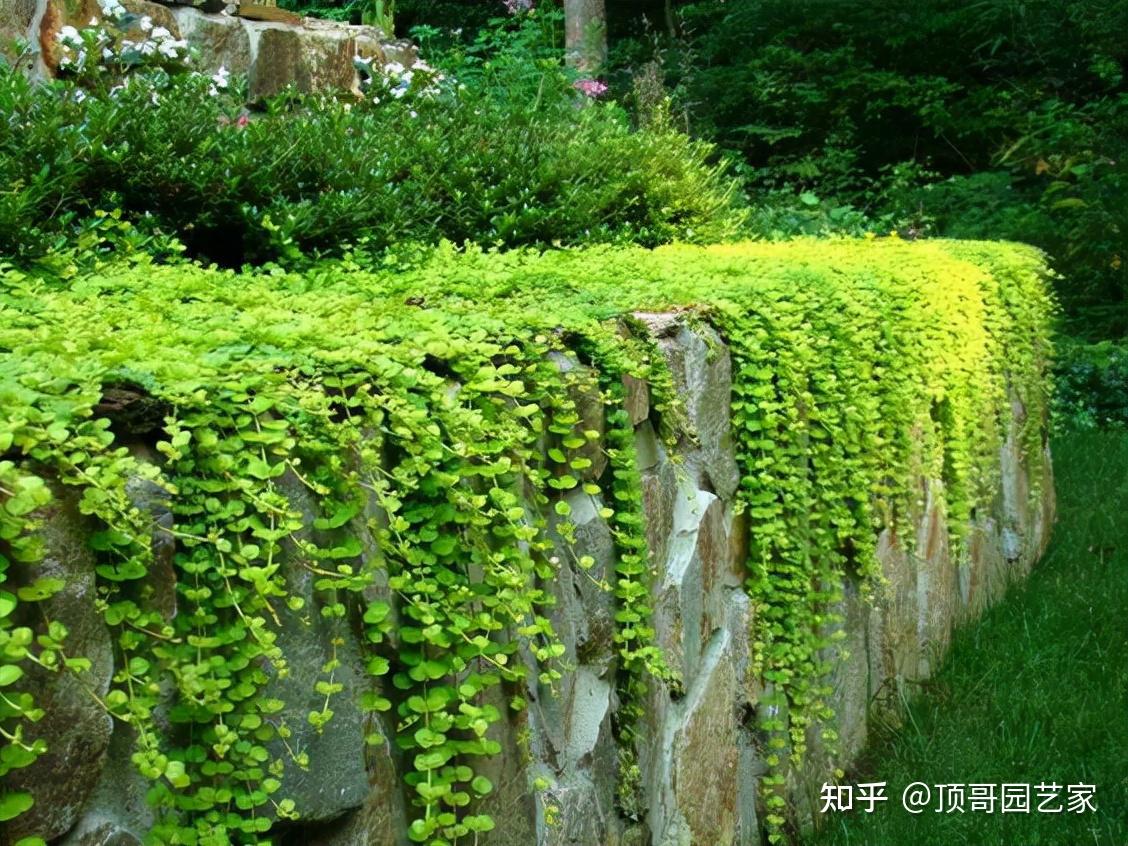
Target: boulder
(380, 820)
(161, 15)
(75, 727)
(116, 813)
(16, 18)
(701, 366)
(306, 53)
(315, 56)
(221, 40)
(336, 779)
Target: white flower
(112, 8)
(393, 69)
(161, 32)
(69, 36)
(79, 95)
(146, 23)
(221, 77)
(167, 48)
(107, 54)
(414, 113)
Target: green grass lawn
(1037, 691)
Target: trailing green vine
(391, 452)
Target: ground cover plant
(1032, 692)
(420, 407)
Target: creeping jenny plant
(424, 412)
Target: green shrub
(541, 165)
(340, 379)
(1092, 385)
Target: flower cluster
(394, 81)
(158, 40)
(121, 43)
(219, 81)
(518, 7)
(590, 87)
(113, 10)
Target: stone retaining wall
(558, 777)
(313, 55)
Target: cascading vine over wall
(611, 546)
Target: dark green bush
(992, 119)
(312, 174)
(1092, 385)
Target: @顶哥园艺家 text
(1004, 798)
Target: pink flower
(239, 122)
(590, 87)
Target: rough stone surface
(336, 779)
(280, 62)
(636, 399)
(159, 591)
(75, 727)
(116, 814)
(705, 786)
(222, 40)
(16, 18)
(311, 55)
(511, 803)
(702, 370)
(380, 821)
(316, 56)
(160, 14)
(79, 13)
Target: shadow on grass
(1035, 692)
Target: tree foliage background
(996, 119)
(988, 119)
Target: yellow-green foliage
(428, 389)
